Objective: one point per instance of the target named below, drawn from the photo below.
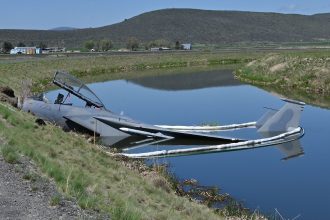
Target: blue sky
(43, 14)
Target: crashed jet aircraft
(276, 126)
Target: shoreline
(300, 76)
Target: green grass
(124, 212)
(55, 200)
(301, 75)
(30, 176)
(10, 154)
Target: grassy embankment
(301, 75)
(81, 170)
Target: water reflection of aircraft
(291, 149)
(280, 126)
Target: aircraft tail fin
(285, 119)
(268, 114)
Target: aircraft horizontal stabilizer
(135, 128)
(144, 133)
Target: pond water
(259, 177)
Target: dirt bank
(26, 195)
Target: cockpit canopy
(77, 88)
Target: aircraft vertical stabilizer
(285, 119)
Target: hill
(190, 25)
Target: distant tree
(177, 45)
(163, 43)
(89, 44)
(153, 44)
(97, 45)
(7, 46)
(42, 45)
(159, 43)
(20, 44)
(132, 43)
(105, 45)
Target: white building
(25, 50)
(186, 46)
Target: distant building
(53, 50)
(164, 48)
(186, 46)
(38, 51)
(154, 49)
(25, 50)
(159, 48)
(123, 50)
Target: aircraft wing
(88, 123)
(84, 121)
(136, 128)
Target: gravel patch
(26, 195)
